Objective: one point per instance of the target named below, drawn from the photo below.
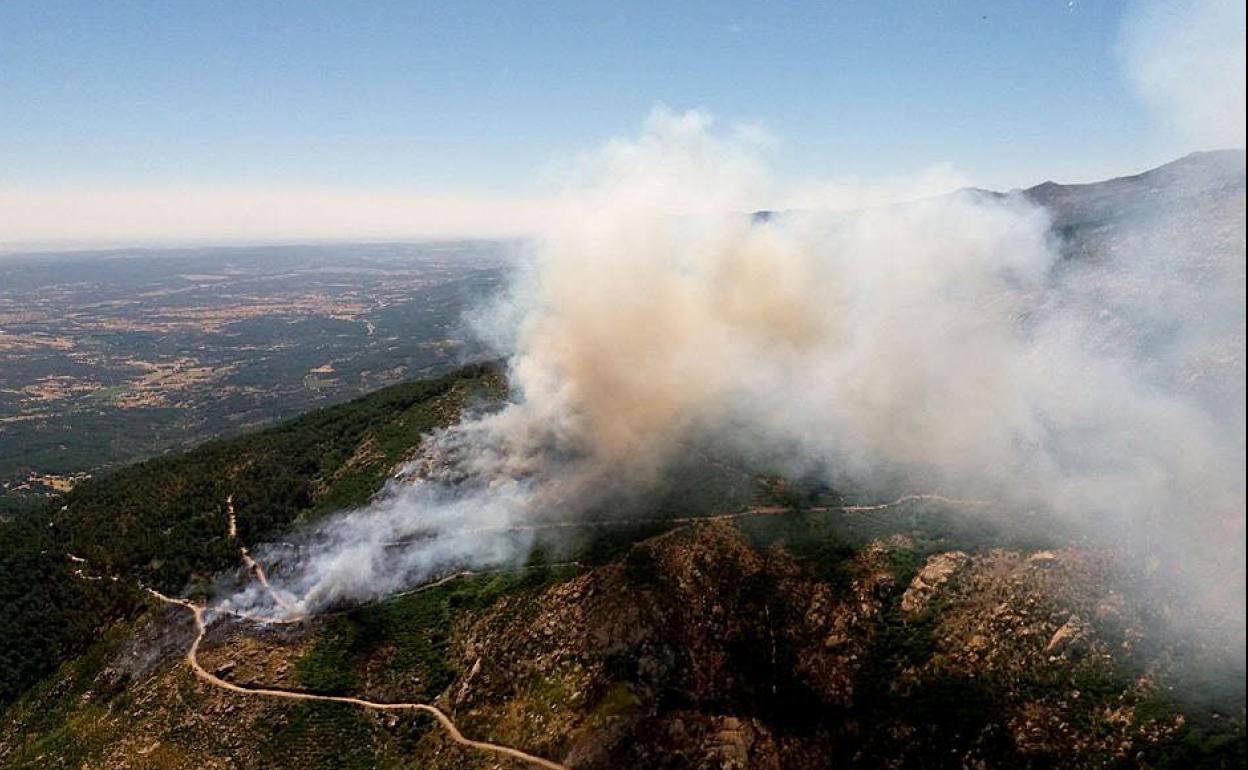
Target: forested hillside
(164, 521)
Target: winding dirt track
(293, 615)
(192, 660)
(912, 499)
(682, 522)
(201, 628)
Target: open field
(131, 353)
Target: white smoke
(1186, 59)
(942, 344)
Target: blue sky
(484, 96)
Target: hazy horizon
(106, 247)
(135, 127)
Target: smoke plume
(944, 344)
(1186, 60)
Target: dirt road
(680, 522)
(192, 659)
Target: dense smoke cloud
(938, 345)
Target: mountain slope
(163, 521)
(790, 641)
(796, 630)
(1203, 178)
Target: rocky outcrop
(697, 649)
(1073, 636)
(935, 573)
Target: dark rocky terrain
(716, 645)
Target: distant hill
(1209, 185)
(1199, 179)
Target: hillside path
(192, 659)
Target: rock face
(935, 573)
(729, 743)
(1072, 636)
(736, 657)
(698, 649)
